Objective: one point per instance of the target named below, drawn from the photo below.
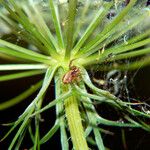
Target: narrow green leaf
(27, 25)
(20, 130)
(132, 66)
(41, 24)
(92, 96)
(102, 98)
(139, 37)
(15, 124)
(29, 110)
(138, 113)
(17, 30)
(98, 139)
(55, 15)
(64, 138)
(50, 133)
(123, 137)
(98, 59)
(22, 67)
(140, 123)
(46, 82)
(91, 113)
(126, 48)
(96, 21)
(20, 75)
(21, 97)
(82, 17)
(20, 139)
(70, 28)
(23, 50)
(115, 123)
(53, 103)
(12, 58)
(22, 56)
(89, 48)
(31, 133)
(88, 131)
(130, 54)
(88, 82)
(144, 125)
(24, 19)
(37, 134)
(91, 141)
(8, 124)
(105, 131)
(122, 29)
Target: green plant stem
(75, 124)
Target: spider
(72, 75)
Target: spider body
(71, 75)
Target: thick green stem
(75, 123)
